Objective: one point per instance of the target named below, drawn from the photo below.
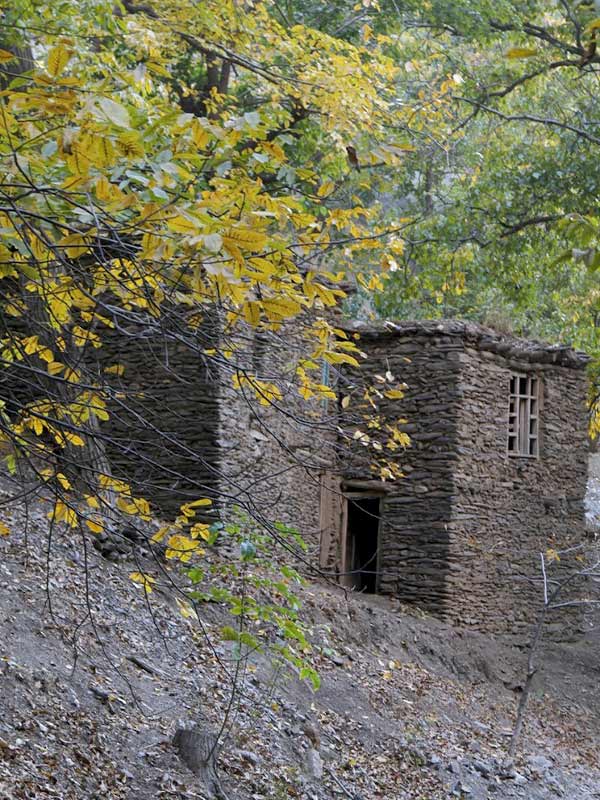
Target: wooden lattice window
(523, 416)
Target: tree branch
(526, 223)
(531, 75)
(549, 121)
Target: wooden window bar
(523, 416)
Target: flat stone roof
(476, 336)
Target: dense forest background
(495, 199)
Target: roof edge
(476, 336)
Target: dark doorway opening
(363, 543)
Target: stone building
(496, 472)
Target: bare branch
(549, 121)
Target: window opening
(363, 544)
(523, 416)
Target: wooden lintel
(380, 487)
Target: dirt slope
(93, 682)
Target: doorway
(361, 566)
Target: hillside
(95, 681)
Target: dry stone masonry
(181, 430)
(460, 534)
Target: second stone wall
(507, 509)
(272, 455)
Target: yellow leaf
(95, 527)
(134, 506)
(345, 401)
(6, 56)
(58, 58)
(185, 609)
(552, 555)
(4, 530)
(130, 144)
(115, 369)
(181, 224)
(75, 244)
(182, 547)
(145, 580)
(101, 152)
(200, 529)
(62, 513)
(64, 481)
(73, 439)
(325, 188)
(103, 189)
(278, 308)
(340, 358)
(30, 344)
(37, 425)
(160, 534)
(200, 136)
(251, 312)
(46, 355)
(204, 501)
(154, 66)
(244, 239)
(521, 52)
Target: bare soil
(95, 678)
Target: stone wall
(163, 432)
(508, 509)
(414, 537)
(181, 429)
(272, 456)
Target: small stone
(460, 789)
(314, 764)
(539, 764)
(248, 756)
(483, 768)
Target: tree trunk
(199, 751)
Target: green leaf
(196, 575)
(308, 673)
(248, 639)
(229, 634)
